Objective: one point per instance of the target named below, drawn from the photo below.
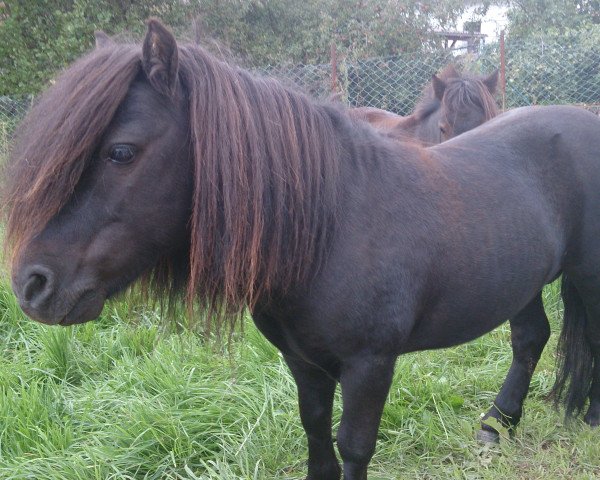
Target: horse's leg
(315, 397)
(529, 333)
(365, 383)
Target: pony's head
(465, 102)
(164, 163)
(83, 220)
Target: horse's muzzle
(42, 299)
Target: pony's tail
(574, 355)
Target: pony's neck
(422, 125)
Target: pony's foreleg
(365, 382)
(315, 397)
(529, 333)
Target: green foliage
(555, 17)
(287, 31)
(39, 37)
(554, 69)
(553, 52)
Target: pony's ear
(160, 58)
(439, 86)
(449, 72)
(335, 97)
(491, 81)
(102, 39)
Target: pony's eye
(442, 129)
(121, 154)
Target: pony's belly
(461, 318)
(449, 330)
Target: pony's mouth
(88, 307)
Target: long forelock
(469, 92)
(58, 137)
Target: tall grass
(120, 398)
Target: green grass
(120, 398)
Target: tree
(38, 37)
(553, 51)
(551, 17)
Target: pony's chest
(296, 337)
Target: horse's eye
(121, 154)
(442, 129)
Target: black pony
(348, 248)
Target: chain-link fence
(13, 108)
(534, 72)
(552, 73)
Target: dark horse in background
(451, 104)
(348, 248)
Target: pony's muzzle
(35, 289)
(44, 298)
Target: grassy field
(123, 398)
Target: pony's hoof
(592, 419)
(485, 436)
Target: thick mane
(66, 125)
(266, 189)
(266, 163)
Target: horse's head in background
(451, 104)
(465, 102)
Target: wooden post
(334, 79)
(502, 70)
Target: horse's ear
(449, 72)
(491, 81)
(102, 39)
(335, 97)
(160, 58)
(439, 86)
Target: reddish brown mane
(266, 169)
(265, 182)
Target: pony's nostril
(34, 285)
(37, 286)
